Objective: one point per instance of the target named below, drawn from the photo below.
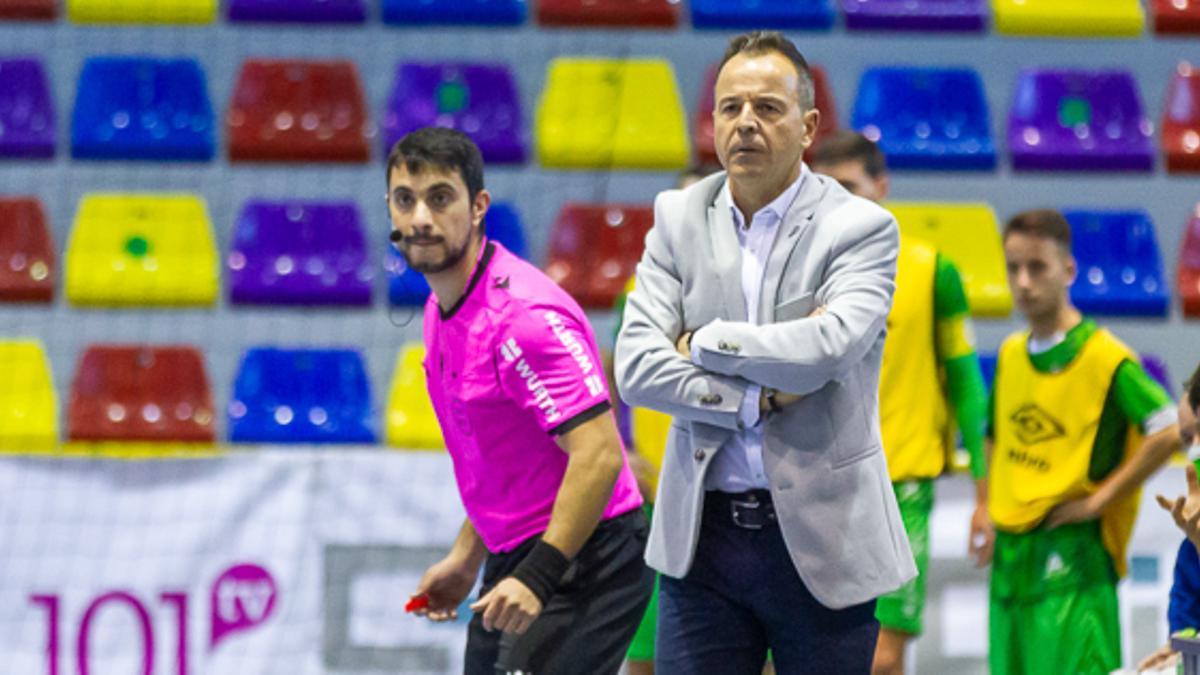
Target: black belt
(750, 510)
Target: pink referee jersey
(510, 367)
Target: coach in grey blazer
(827, 489)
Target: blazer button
(699, 455)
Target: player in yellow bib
(1076, 426)
(930, 374)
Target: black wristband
(771, 402)
(542, 570)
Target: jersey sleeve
(955, 336)
(1142, 399)
(1183, 610)
(549, 366)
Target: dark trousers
(587, 625)
(743, 596)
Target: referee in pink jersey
(553, 510)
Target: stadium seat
(141, 393)
(1120, 268)
(609, 13)
(27, 259)
(28, 10)
(1070, 18)
(301, 396)
(411, 422)
(297, 11)
(407, 287)
(594, 249)
(28, 405)
(916, 15)
(1181, 121)
(26, 110)
(1079, 120)
(926, 118)
(142, 11)
(298, 111)
(479, 99)
(141, 249)
(1176, 16)
(611, 113)
(299, 253)
(751, 14)
(969, 236)
(987, 365)
(454, 12)
(1188, 278)
(1157, 369)
(142, 108)
(703, 135)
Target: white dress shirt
(738, 466)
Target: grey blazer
(823, 455)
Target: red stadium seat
(141, 393)
(703, 138)
(28, 10)
(594, 249)
(1189, 267)
(1181, 121)
(27, 261)
(1176, 16)
(298, 111)
(607, 13)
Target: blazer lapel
(727, 256)
(798, 218)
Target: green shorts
(1053, 603)
(901, 610)
(642, 647)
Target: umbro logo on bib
(1035, 425)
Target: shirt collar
(778, 207)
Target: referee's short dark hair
(1042, 223)
(849, 146)
(445, 149)
(760, 42)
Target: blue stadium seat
(301, 396)
(406, 287)
(142, 108)
(987, 364)
(726, 14)
(1120, 268)
(926, 118)
(455, 12)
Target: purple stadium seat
(1158, 370)
(26, 110)
(297, 11)
(299, 253)
(1079, 120)
(478, 99)
(923, 15)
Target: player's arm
(1144, 402)
(955, 344)
(982, 536)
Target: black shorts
(589, 621)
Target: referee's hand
(445, 585)
(510, 607)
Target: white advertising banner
(286, 562)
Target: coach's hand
(510, 607)
(446, 584)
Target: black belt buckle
(748, 514)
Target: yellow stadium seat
(604, 113)
(968, 234)
(142, 11)
(28, 406)
(411, 422)
(1079, 18)
(141, 250)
